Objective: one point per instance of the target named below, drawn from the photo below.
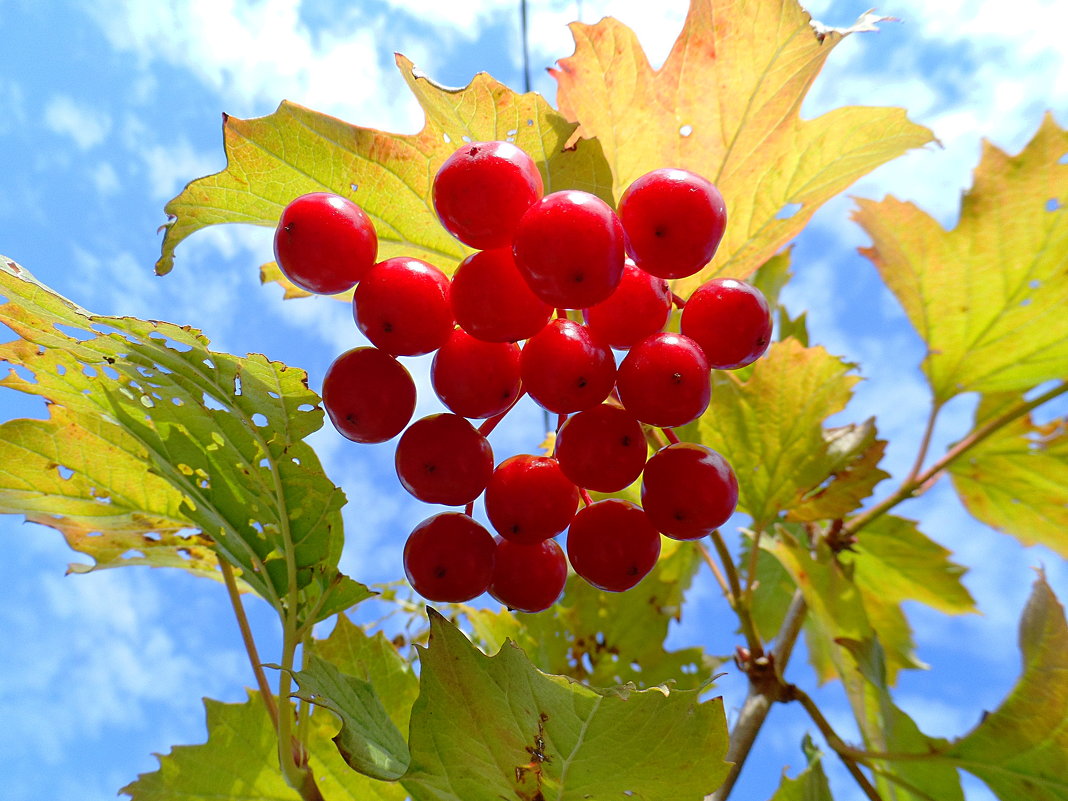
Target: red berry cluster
(537, 255)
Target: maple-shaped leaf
(811, 783)
(726, 105)
(272, 160)
(151, 436)
(988, 297)
(606, 638)
(240, 760)
(486, 728)
(767, 422)
(1016, 480)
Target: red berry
(640, 306)
(482, 190)
(448, 558)
(570, 248)
(602, 449)
(402, 306)
(475, 378)
(664, 380)
(444, 459)
(492, 301)
(612, 544)
(674, 221)
(529, 499)
(324, 243)
(528, 578)
(730, 320)
(688, 490)
(369, 395)
(565, 370)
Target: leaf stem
(250, 643)
(833, 740)
(917, 484)
(925, 443)
(715, 569)
(756, 648)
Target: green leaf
(769, 426)
(1017, 479)
(855, 454)
(240, 761)
(606, 638)
(770, 278)
(368, 741)
(274, 159)
(151, 435)
(486, 728)
(1019, 750)
(989, 296)
(726, 104)
(810, 784)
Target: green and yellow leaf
(988, 297)
(726, 105)
(157, 451)
(272, 160)
(811, 783)
(1016, 480)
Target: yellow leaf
(726, 105)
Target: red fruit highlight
(402, 306)
(664, 380)
(730, 320)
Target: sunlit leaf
(486, 728)
(1017, 479)
(240, 761)
(726, 104)
(608, 638)
(769, 425)
(273, 159)
(1019, 749)
(151, 435)
(988, 297)
(810, 784)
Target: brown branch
(250, 643)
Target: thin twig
(925, 443)
(756, 648)
(715, 569)
(250, 643)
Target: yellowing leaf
(157, 449)
(769, 426)
(1017, 479)
(486, 728)
(810, 784)
(273, 159)
(726, 105)
(989, 296)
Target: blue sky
(108, 108)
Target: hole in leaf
(446, 137)
(147, 402)
(529, 123)
(110, 372)
(133, 553)
(1025, 302)
(259, 420)
(177, 401)
(79, 334)
(89, 370)
(237, 385)
(305, 407)
(274, 395)
(466, 138)
(685, 130)
(512, 132)
(209, 363)
(61, 369)
(788, 211)
(265, 462)
(1063, 159)
(354, 187)
(1053, 204)
(1034, 283)
(64, 472)
(211, 403)
(296, 460)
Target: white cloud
(170, 167)
(13, 102)
(104, 178)
(86, 126)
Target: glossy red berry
(444, 459)
(482, 190)
(492, 301)
(664, 380)
(570, 248)
(674, 220)
(473, 378)
(369, 395)
(565, 370)
(324, 243)
(602, 449)
(612, 544)
(528, 578)
(640, 306)
(402, 306)
(448, 558)
(730, 320)
(688, 490)
(529, 499)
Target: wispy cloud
(82, 123)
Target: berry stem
(586, 500)
(492, 422)
(680, 304)
(672, 437)
(469, 510)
